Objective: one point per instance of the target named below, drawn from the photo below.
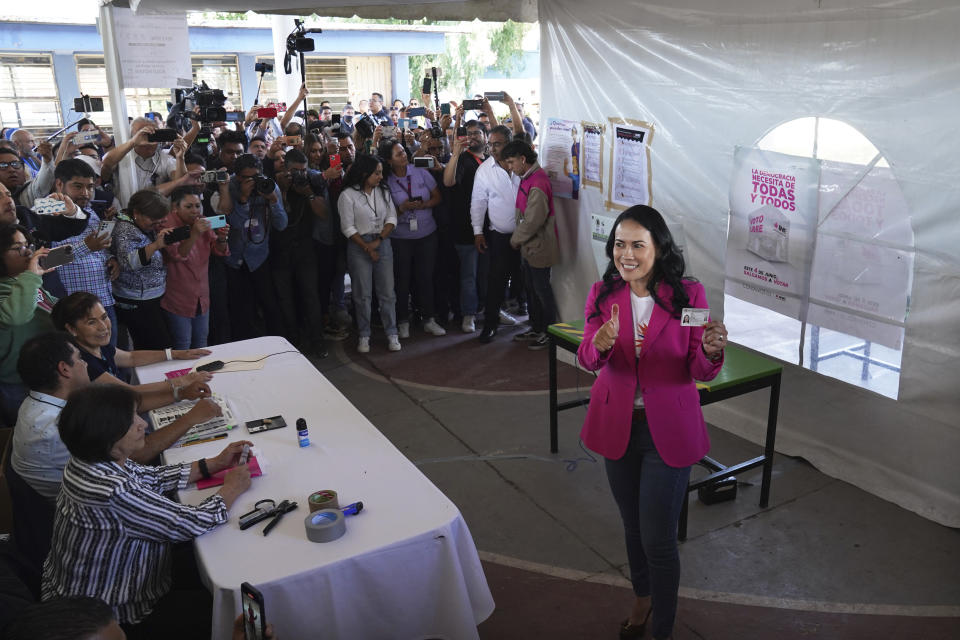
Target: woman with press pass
(644, 415)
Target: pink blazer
(670, 360)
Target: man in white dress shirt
(495, 196)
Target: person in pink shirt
(644, 415)
(186, 302)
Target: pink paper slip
(177, 373)
(217, 479)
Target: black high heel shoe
(629, 631)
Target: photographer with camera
(154, 165)
(469, 152)
(256, 208)
(297, 251)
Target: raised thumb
(615, 313)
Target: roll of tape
(326, 499)
(325, 525)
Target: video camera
(365, 126)
(297, 43)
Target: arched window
(851, 320)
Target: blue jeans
(468, 278)
(364, 273)
(650, 494)
(188, 333)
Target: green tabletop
(739, 365)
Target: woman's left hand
(196, 376)
(229, 457)
(714, 338)
(190, 354)
(195, 390)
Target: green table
(743, 371)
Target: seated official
(114, 527)
(52, 368)
(82, 316)
(24, 309)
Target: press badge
(413, 223)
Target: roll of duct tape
(325, 525)
(326, 499)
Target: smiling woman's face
(93, 331)
(634, 252)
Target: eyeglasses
(16, 164)
(23, 249)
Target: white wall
(712, 78)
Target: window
(28, 93)
(92, 78)
(219, 72)
(326, 78)
(852, 324)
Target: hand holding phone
(254, 619)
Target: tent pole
(118, 101)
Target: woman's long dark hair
(361, 169)
(385, 151)
(667, 267)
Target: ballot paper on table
(243, 363)
(164, 416)
(691, 317)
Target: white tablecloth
(407, 567)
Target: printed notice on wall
(592, 154)
(770, 236)
(561, 157)
(630, 164)
(153, 50)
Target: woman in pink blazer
(644, 415)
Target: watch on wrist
(204, 471)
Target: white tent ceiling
(486, 10)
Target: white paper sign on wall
(153, 50)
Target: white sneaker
(507, 319)
(431, 327)
(404, 329)
(363, 346)
(467, 325)
(393, 343)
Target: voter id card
(691, 317)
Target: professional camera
(436, 131)
(263, 185)
(297, 43)
(365, 126)
(209, 100)
(263, 67)
(298, 178)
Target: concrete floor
(825, 560)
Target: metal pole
(118, 100)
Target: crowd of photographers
(239, 224)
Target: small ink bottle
(302, 435)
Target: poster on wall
(771, 229)
(560, 157)
(153, 50)
(592, 154)
(630, 179)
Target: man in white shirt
(495, 196)
(51, 368)
(154, 166)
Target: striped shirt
(113, 530)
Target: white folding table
(407, 567)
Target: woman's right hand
(34, 265)
(606, 335)
(237, 480)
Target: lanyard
(376, 214)
(409, 188)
